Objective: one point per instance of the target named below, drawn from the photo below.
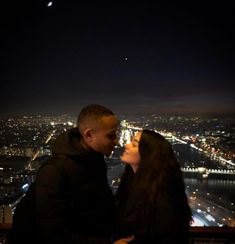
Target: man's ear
(88, 134)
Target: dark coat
(74, 203)
(165, 227)
(168, 223)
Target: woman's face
(131, 154)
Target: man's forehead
(108, 123)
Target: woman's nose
(127, 145)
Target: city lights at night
(163, 67)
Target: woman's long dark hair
(158, 176)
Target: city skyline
(134, 58)
(206, 161)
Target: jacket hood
(68, 143)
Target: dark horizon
(126, 115)
(132, 57)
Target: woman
(151, 199)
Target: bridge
(204, 172)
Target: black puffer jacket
(73, 200)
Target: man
(74, 203)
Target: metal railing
(198, 235)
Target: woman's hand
(124, 240)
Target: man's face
(104, 136)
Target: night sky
(132, 57)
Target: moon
(49, 4)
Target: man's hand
(124, 240)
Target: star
(49, 4)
